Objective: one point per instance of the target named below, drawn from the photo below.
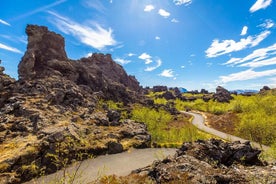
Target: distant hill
(183, 90)
(244, 91)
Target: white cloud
(4, 22)
(146, 57)
(244, 30)
(130, 54)
(164, 13)
(267, 24)
(181, 2)
(174, 20)
(89, 54)
(218, 48)
(96, 36)
(157, 38)
(149, 8)
(246, 75)
(122, 61)
(151, 68)
(182, 66)
(8, 48)
(255, 56)
(167, 73)
(256, 64)
(260, 4)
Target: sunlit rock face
(46, 58)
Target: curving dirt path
(199, 120)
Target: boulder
(215, 150)
(210, 161)
(222, 95)
(115, 147)
(168, 95)
(159, 88)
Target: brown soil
(225, 123)
(180, 121)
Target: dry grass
(17, 146)
(226, 122)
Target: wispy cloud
(246, 75)
(149, 8)
(151, 68)
(182, 2)
(122, 61)
(256, 64)
(146, 57)
(17, 39)
(267, 24)
(174, 20)
(260, 4)
(167, 73)
(95, 4)
(148, 60)
(218, 48)
(244, 30)
(8, 48)
(4, 22)
(164, 13)
(94, 36)
(254, 57)
(40, 9)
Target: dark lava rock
(168, 95)
(46, 58)
(53, 109)
(211, 161)
(159, 88)
(218, 151)
(222, 95)
(115, 147)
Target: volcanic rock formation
(55, 109)
(46, 58)
(212, 161)
(222, 95)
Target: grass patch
(165, 130)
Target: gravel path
(120, 164)
(199, 122)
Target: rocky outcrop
(212, 161)
(159, 88)
(222, 95)
(6, 86)
(53, 110)
(43, 46)
(46, 58)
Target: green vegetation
(163, 129)
(256, 113)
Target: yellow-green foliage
(258, 119)
(257, 114)
(158, 126)
(110, 104)
(154, 94)
(162, 101)
(211, 106)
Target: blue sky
(186, 43)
